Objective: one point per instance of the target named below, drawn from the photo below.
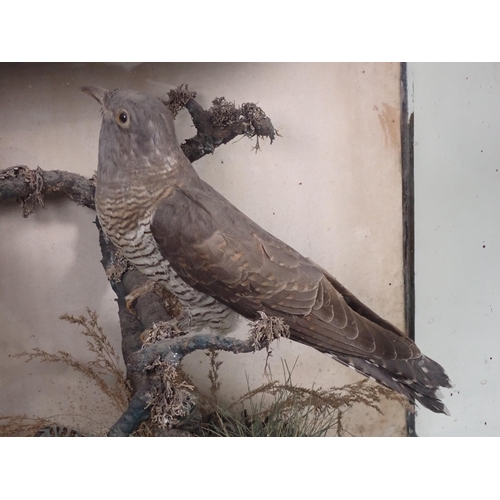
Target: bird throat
(121, 206)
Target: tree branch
(222, 123)
(30, 186)
(218, 125)
(171, 352)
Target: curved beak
(97, 93)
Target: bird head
(137, 140)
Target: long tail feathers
(416, 379)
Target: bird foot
(136, 293)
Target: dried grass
(286, 409)
(104, 364)
(104, 367)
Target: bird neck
(132, 194)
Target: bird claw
(128, 304)
(135, 294)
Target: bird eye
(122, 118)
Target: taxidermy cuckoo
(177, 230)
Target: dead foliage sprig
(172, 398)
(105, 362)
(22, 425)
(159, 331)
(178, 97)
(266, 329)
(224, 113)
(35, 181)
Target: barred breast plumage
(139, 247)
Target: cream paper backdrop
(330, 186)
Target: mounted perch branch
(31, 186)
(220, 124)
(166, 396)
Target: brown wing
(218, 250)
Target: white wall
(330, 187)
(457, 206)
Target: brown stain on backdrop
(389, 121)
